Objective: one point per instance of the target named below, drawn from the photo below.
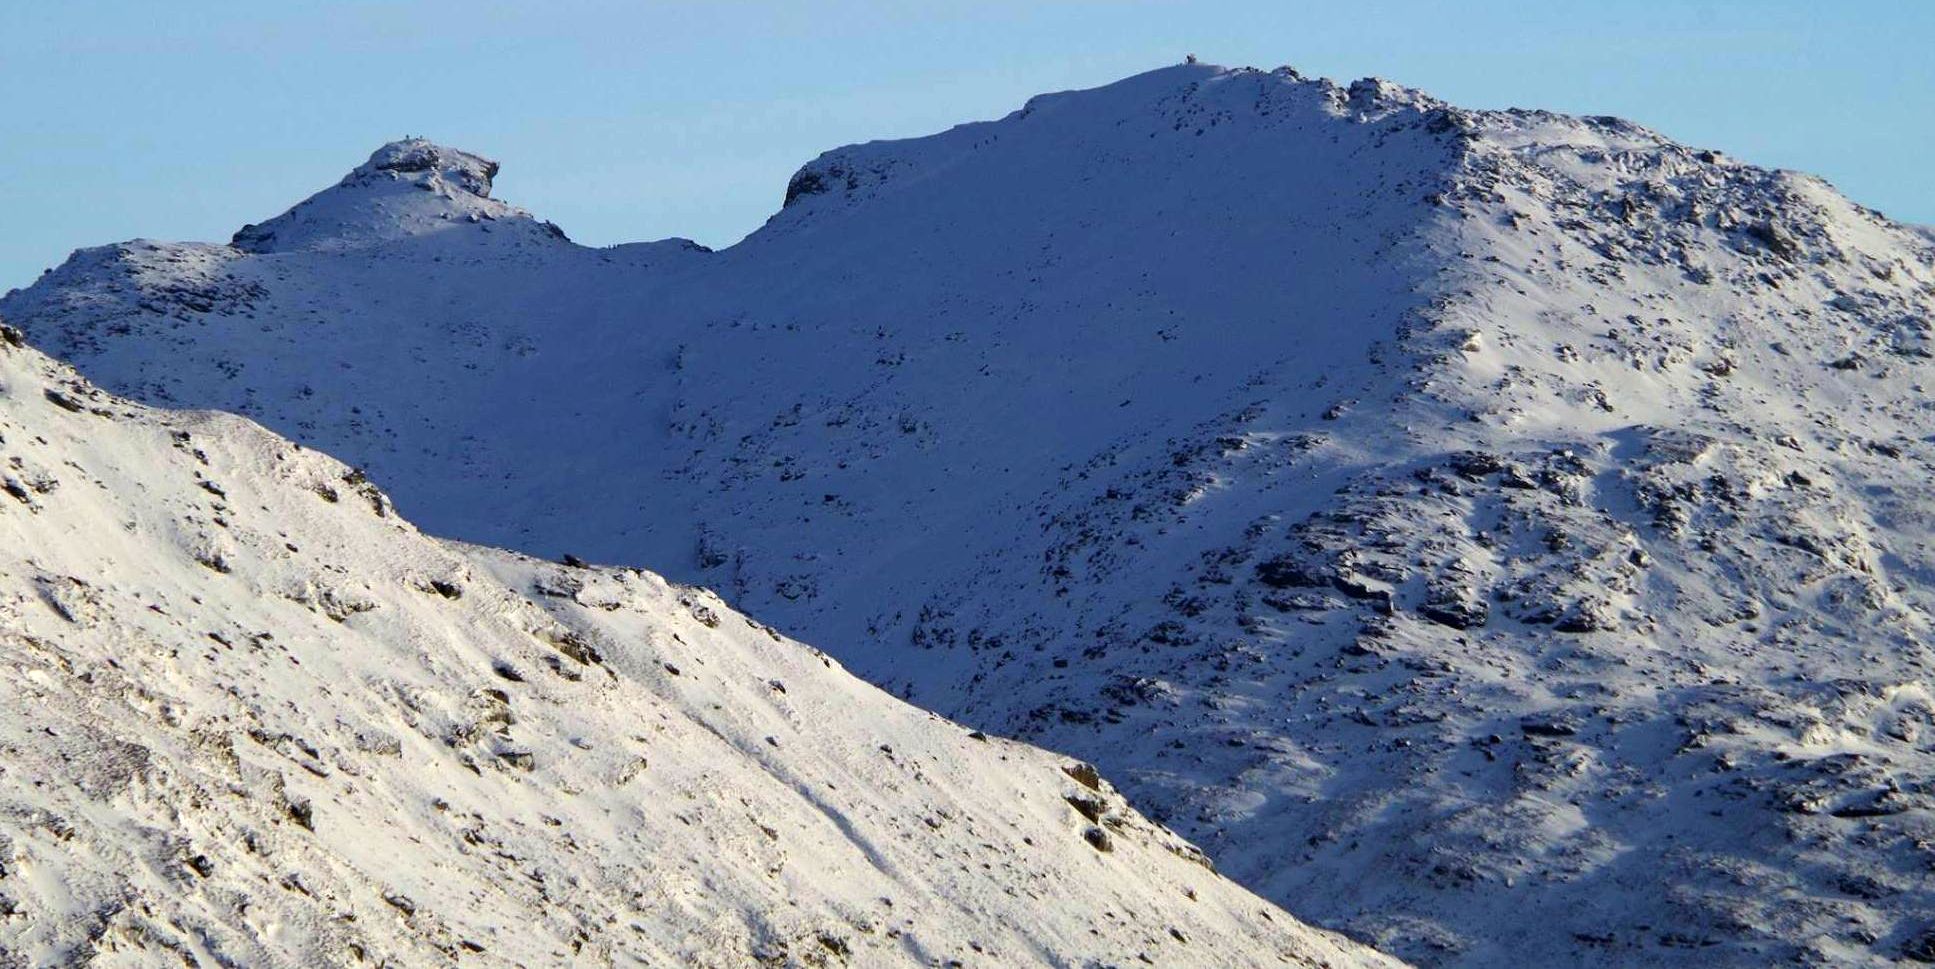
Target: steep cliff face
(1496, 533)
(252, 717)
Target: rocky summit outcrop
(1500, 534)
(407, 188)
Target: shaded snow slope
(1500, 534)
(251, 717)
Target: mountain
(1499, 535)
(253, 718)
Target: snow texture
(1499, 535)
(250, 717)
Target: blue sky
(627, 121)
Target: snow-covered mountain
(250, 717)
(1498, 534)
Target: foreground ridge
(252, 717)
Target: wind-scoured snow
(250, 717)
(1499, 534)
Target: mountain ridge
(1353, 475)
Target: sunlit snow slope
(250, 717)
(1499, 534)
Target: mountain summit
(1496, 533)
(407, 188)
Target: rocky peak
(429, 165)
(407, 188)
(1368, 94)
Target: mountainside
(253, 718)
(1498, 534)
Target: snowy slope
(1499, 534)
(252, 717)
